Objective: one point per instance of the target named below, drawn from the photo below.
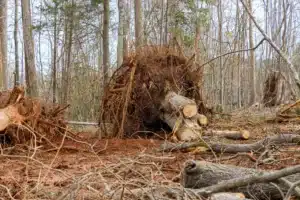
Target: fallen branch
(234, 148)
(212, 178)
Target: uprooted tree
(23, 118)
(154, 87)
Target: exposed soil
(81, 172)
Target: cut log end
(202, 120)
(189, 110)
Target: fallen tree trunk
(213, 178)
(234, 148)
(168, 193)
(234, 135)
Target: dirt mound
(132, 98)
(24, 118)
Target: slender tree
(3, 44)
(105, 41)
(30, 70)
(252, 59)
(120, 32)
(138, 23)
(16, 27)
(54, 69)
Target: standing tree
(3, 44)
(138, 23)
(30, 70)
(105, 41)
(120, 32)
(252, 59)
(220, 38)
(17, 68)
(54, 53)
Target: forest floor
(84, 168)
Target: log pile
(155, 88)
(24, 118)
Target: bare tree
(30, 70)
(220, 38)
(16, 26)
(3, 43)
(252, 60)
(120, 32)
(54, 82)
(105, 41)
(138, 23)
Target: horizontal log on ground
(212, 178)
(234, 148)
(229, 134)
(170, 193)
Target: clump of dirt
(149, 74)
(29, 118)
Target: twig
(8, 192)
(289, 193)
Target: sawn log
(211, 178)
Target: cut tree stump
(235, 148)
(234, 135)
(211, 178)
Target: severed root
(234, 135)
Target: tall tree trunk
(166, 22)
(120, 32)
(16, 26)
(54, 83)
(69, 26)
(105, 42)
(252, 60)
(126, 28)
(30, 70)
(220, 37)
(138, 23)
(3, 44)
(161, 40)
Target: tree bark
(3, 43)
(16, 27)
(258, 146)
(138, 23)
(30, 69)
(212, 178)
(252, 60)
(105, 42)
(120, 48)
(54, 55)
